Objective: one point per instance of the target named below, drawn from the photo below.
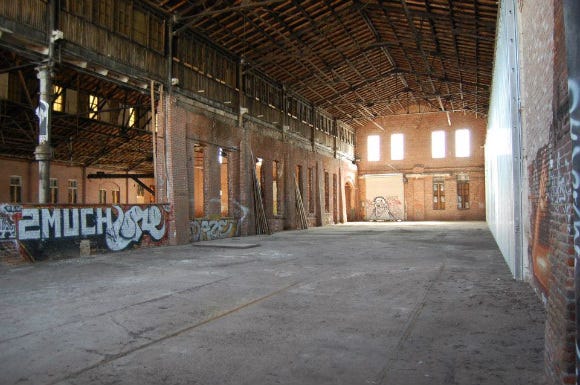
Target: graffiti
(130, 226)
(9, 213)
(540, 217)
(120, 229)
(574, 95)
(206, 229)
(574, 90)
(42, 232)
(42, 113)
(385, 209)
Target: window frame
(463, 202)
(53, 190)
(438, 194)
(15, 189)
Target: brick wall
(213, 130)
(419, 168)
(87, 189)
(547, 178)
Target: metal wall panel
(502, 146)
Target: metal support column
(43, 152)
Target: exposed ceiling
(359, 59)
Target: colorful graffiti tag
(9, 214)
(203, 229)
(385, 209)
(45, 231)
(206, 229)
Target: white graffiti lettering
(574, 95)
(129, 227)
(120, 231)
(29, 225)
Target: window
(198, 181)
(140, 191)
(72, 191)
(15, 189)
(102, 196)
(438, 144)
(93, 107)
(115, 196)
(53, 190)
(224, 182)
(132, 117)
(335, 198)
(326, 192)
(310, 189)
(276, 204)
(462, 143)
(397, 147)
(374, 148)
(438, 194)
(58, 95)
(462, 192)
(299, 180)
(4, 85)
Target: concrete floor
(379, 303)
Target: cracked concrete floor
(370, 303)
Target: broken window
(310, 189)
(93, 107)
(198, 179)
(299, 180)
(132, 117)
(438, 144)
(335, 197)
(115, 196)
(102, 196)
(15, 189)
(224, 182)
(438, 194)
(326, 192)
(72, 191)
(53, 185)
(462, 191)
(276, 206)
(58, 96)
(261, 178)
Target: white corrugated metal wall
(502, 145)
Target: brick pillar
(289, 190)
(319, 193)
(248, 224)
(172, 176)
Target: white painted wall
(503, 144)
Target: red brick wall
(87, 189)
(214, 130)
(547, 178)
(419, 167)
